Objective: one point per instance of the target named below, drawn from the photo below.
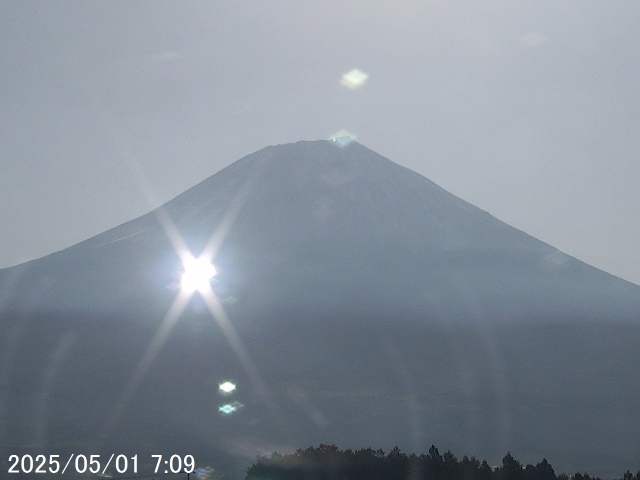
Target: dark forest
(328, 462)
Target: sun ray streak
(126, 154)
(131, 162)
(182, 299)
(222, 230)
(221, 318)
(158, 340)
(172, 233)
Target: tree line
(327, 462)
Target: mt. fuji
(355, 303)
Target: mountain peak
(350, 286)
(329, 215)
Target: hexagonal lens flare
(354, 79)
(227, 387)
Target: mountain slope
(314, 205)
(370, 307)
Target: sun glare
(197, 275)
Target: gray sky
(527, 109)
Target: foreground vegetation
(327, 462)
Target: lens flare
(227, 387)
(230, 408)
(227, 409)
(342, 138)
(354, 79)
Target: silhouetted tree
(327, 462)
(584, 476)
(433, 464)
(511, 468)
(450, 467)
(397, 464)
(543, 471)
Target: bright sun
(197, 274)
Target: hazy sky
(528, 109)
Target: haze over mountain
(363, 306)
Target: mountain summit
(329, 219)
(355, 302)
